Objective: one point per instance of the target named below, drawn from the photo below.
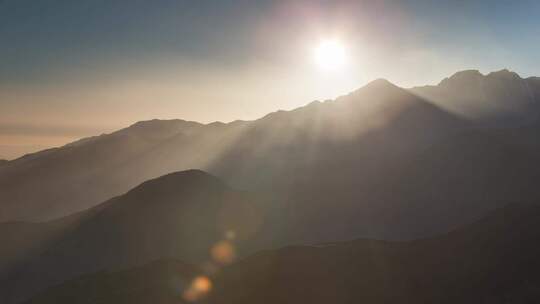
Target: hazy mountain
(380, 162)
(183, 215)
(499, 98)
(494, 260)
(358, 134)
(376, 125)
(60, 181)
(56, 176)
(179, 215)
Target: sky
(71, 68)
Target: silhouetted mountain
(364, 130)
(63, 180)
(499, 98)
(354, 165)
(3, 162)
(378, 121)
(178, 215)
(494, 260)
(380, 162)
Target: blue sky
(86, 67)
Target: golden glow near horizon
(330, 55)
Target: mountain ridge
(157, 219)
(152, 148)
(354, 151)
(499, 98)
(493, 259)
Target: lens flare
(230, 235)
(200, 286)
(223, 252)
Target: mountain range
(493, 260)
(498, 99)
(360, 147)
(177, 215)
(383, 163)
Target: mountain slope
(368, 128)
(179, 215)
(491, 261)
(378, 121)
(184, 214)
(380, 162)
(158, 282)
(499, 98)
(61, 181)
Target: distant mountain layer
(499, 99)
(370, 131)
(382, 161)
(494, 260)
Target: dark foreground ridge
(179, 215)
(491, 261)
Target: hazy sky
(72, 68)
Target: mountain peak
(504, 74)
(377, 87)
(380, 83)
(470, 75)
(465, 75)
(178, 181)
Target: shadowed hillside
(185, 215)
(493, 260)
(159, 282)
(179, 215)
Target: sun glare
(330, 55)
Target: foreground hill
(160, 282)
(493, 260)
(185, 215)
(180, 215)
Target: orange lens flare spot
(200, 286)
(223, 252)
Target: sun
(330, 55)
